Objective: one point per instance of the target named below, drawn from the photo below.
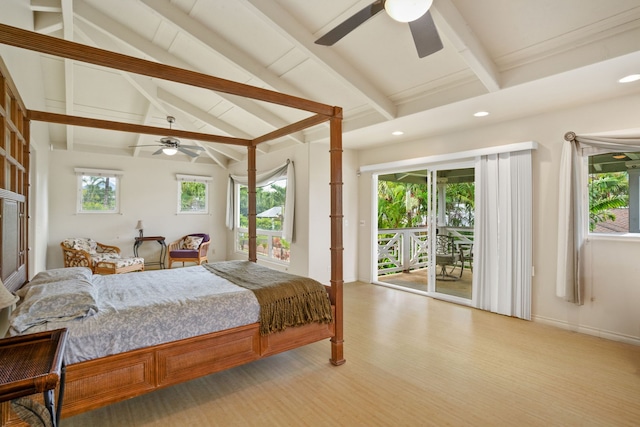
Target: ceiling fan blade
(192, 147)
(158, 151)
(144, 145)
(187, 152)
(350, 24)
(425, 35)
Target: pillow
(191, 242)
(56, 275)
(55, 302)
(80, 244)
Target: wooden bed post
(251, 195)
(337, 250)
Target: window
(269, 217)
(98, 191)
(613, 193)
(193, 194)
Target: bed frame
(110, 379)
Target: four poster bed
(110, 378)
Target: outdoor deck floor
(417, 279)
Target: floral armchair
(189, 248)
(101, 259)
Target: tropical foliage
(193, 196)
(267, 197)
(404, 205)
(460, 204)
(99, 193)
(607, 191)
(270, 197)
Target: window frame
(83, 172)
(196, 179)
(588, 153)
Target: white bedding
(140, 309)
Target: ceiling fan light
(169, 151)
(407, 10)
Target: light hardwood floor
(411, 361)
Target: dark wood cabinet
(14, 183)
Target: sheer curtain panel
(285, 171)
(572, 212)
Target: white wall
(350, 210)
(612, 267)
(149, 191)
(319, 203)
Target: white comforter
(140, 309)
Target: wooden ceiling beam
(294, 127)
(63, 119)
(30, 40)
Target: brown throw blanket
(285, 299)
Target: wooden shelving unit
(14, 183)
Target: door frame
(432, 223)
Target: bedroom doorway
(425, 231)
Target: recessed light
(481, 114)
(630, 78)
(397, 133)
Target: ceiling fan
(415, 12)
(170, 145)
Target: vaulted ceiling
(512, 58)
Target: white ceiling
(513, 58)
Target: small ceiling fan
(415, 12)
(170, 145)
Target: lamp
(139, 227)
(407, 10)
(619, 156)
(6, 298)
(169, 151)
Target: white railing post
(406, 250)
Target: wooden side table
(163, 248)
(33, 363)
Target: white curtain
(503, 241)
(265, 178)
(572, 215)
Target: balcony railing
(269, 244)
(406, 249)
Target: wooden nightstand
(33, 363)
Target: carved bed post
(335, 150)
(251, 195)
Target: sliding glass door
(401, 257)
(474, 244)
(451, 222)
(425, 231)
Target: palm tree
(98, 193)
(607, 191)
(460, 204)
(391, 205)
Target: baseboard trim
(614, 336)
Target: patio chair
(448, 258)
